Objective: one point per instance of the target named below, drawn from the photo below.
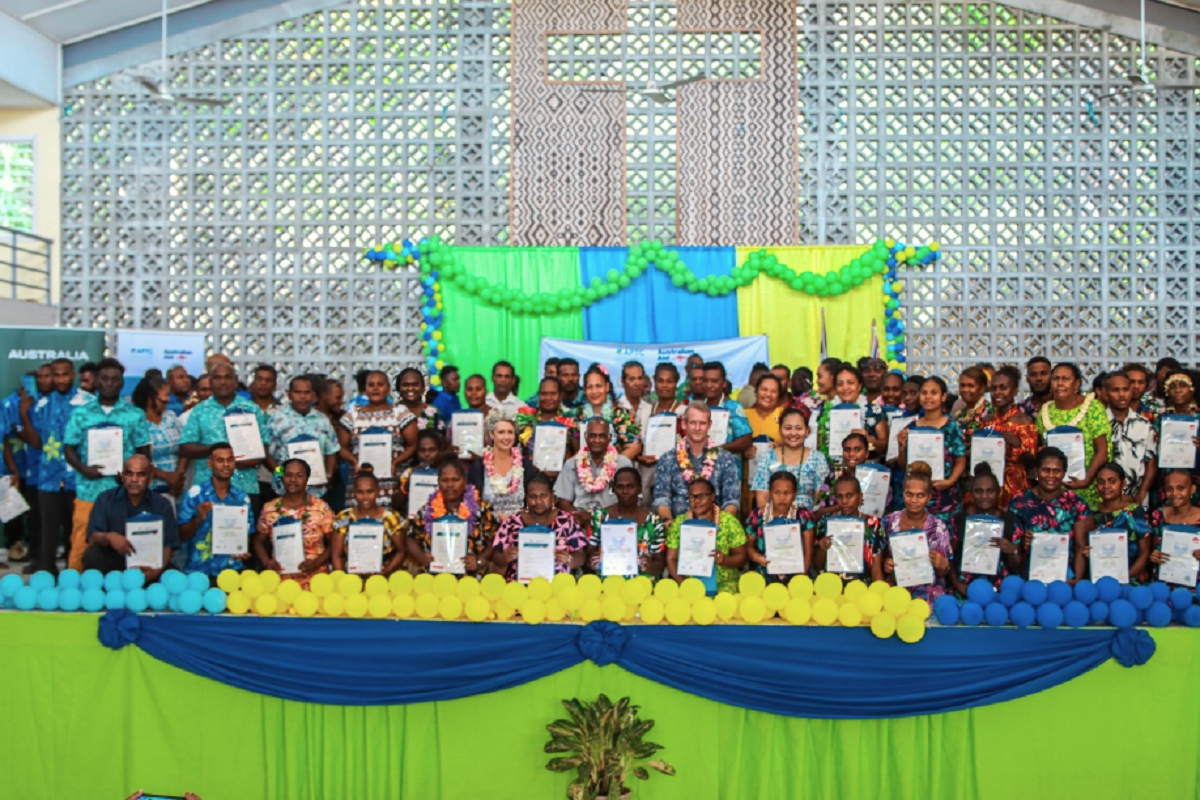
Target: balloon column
(898, 253)
(407, 254)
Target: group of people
(850, 469)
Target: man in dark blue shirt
(108, 544)
(446, 401)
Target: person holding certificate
(807, 465)
(973, 541)
(570, 542)
(1050, 507)
(696, 456)
(848, 383)
(730, 428)
(915, 516)
(1020, 434)
(854, 453)
(301, 419)
(112, 544)
(499, 476)
(454, 498)
(585, 483)
(842, 526)
(152, 396)
(1067, 407)
(476, 392)
(216, 499)
(599, 401)
(295, 507)
(549, 409)
(1117, 511)
(382, 432)
(100, 436)
(366, 507)
(781, 507)
(1180, 393)
(649, 531)
(729, 552)
(410, 386)
(946, 500)
(431, 451)
(1134, 442)
(1170, 526)
(657, 437)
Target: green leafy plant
(605, 740)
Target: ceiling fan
(1139, 82)
(160, 91)
(650, 90)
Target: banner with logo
(143, 350)
(738, 355)
(26, 349)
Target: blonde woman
(499, 476)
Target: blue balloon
(157, 596)
(133, 579)
(1178, 615)
(68, 579)
(26, 598)
(1009, 597)
(981, 592)
(1160, 591)
(1141, 597)
(135, 600)
(214, 601)
(1125, 591)
(945, 610)
(1012, 582)
(1059, 593)
(1085, 592)
(47, 599)
(1099, 612)
(1049, 615)
(1076, 614)
(1121, 613)
(1191, 617)
(174, 580)
(1158, 615)
(41, 580)
(1181, 599)
(9, 585)
(115, 599)
(971, 613)
(1022, 615)
(1034, 593)
(93, 599)
(995, 614)
(198, 582)
(91, 579)
(1107, 589)
(112, 581)
(191, 601)
(69, 599)
(173, 603)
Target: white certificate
(618, 548)
(375, 448)
(289, 545)
(697, 541)
(846, 535)
(1178, 543)
(1176, 450)
(719, 432)
(448, 545)
(535, 553)
(874, 480)
(784, 547)
(466, 432)
(895, 425)
(979, 555)
(105, 449)
(549, 447)
(1048, 557)
(763, 445)
(927, 444)
(229, 530)
(659, 438)
(145, 533)
(1110, 554)
(1070, 441)
(910, 555)
(988, 448)
(364, 547)
(841, 422)
(243, 435)
(12, 504)
(422, 483)
(308, 450)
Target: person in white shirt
(504, 380)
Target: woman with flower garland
(918, 489)
(946, 500)
(410, 385)
(782, 503)
(1179, 509)
(972, 400)
(1050, 507)
(585, 483)
(316, 523)
(790, 455)
(454, 496)
(1067, 406)
(366, 506)
(499, 475)
(849, 390)
(377, 413)
(1118, 510)
(1180, 399)
(651, 532)
(1020, 434)
(570, 542)
(600, 402)
(549, 409)
(730, 552)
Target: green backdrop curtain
(478, 335)
(84, 721)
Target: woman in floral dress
(316, 524)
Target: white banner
(141, 350)
(738, 356)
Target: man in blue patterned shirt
(737, 433)
(195, 513)
(671, 479)
(301, 419)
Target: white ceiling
(68, 21)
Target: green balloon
(623, 281)
(836, 287)
(613, 275)
(693, 285)
(591, 295)
(678, 279)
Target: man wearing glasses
(695, 457)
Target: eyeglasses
(700, 496)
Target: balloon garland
(438, 262)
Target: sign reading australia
(42, 355)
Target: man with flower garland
(696, 456)
(585, 483)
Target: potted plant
(606, 742)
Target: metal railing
(24, 265)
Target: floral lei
(468, 509)
(608, 468)
(685, 460)
(527, 417)
(501, 485)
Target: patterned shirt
(625, 430)
(1133, 446)
(1013, 532)
(754, 528)
(164, 445)
(1156, 522)
(316, 524)
(671, 490)
(286, 424)
(568, 536)
(393, 419)
(206, 426)
(809, 474)
(1051, 516)
(480, 532)
(946, 503)
(430, 419)
(1132, 520)
(872, 416)
(1092, 419)
(730, 534)
(874, 542)
(938, 536)
(198, 549)
(651, 534)
(135, 433)
(393, 527)
(49, 417)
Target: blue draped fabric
(828, 673)
(653, 310)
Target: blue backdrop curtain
(653, 310)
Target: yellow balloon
(533, 611)
(477, 608)
(337, 576)
(828, 584)
(631, 593)
(753, 608)
(612, 584)
(651, 611)
(350, 585)
(422, 583)
(540, 589)
(879, 587)
(797, 611)
(270, 579)
(229, 580)
(380, 606)
(591, 610)
(237, 603)
(666, 589)
(854, 590)
(825, 611)
(306, 604)
(850, 616)
(492, 586)
(450, 607)
(444, 584)
(356, 605)
(883, 624)
(726, 605)
(704, 611)
(467, 588)
(801, 587)
(554, 610)
(645, 586)
(252, 585)
(287, 591)
(426, 605)
(678, 611)
(870, 604)
(561, 581)
(776, 596)
(321, 584)
(402, 606)
(613, 608)
(752, 584)
(400, 582)
(590, 585)
(692, 589)
(918, 608)
(631, 612)
(897, 600)
(504, 610)
(376, 585)
(333, 605)
(910, 629)
(841, 598)
(515, 594)
(571, 598)
(265, 605)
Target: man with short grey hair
(585, 482)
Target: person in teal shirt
(107, 409)
(738, 433)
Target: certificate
(762, 449)
(988, 447)
(1070, 441)
(422, 483)
(618, 548)
(784, 547)
(979, 555)
(105, 448)
(874, 480)
(1110, 554)
(375, 449)
(145, 533)
(448, 545)
(243, 435)
(535, 553)
(910, 555)
(230, 525)
(843, 418)
(719, 432)
(1176, 450)
(895, 425)
(1048, 557)
(1178, 544)
(659, 438)
(927, 444)
(12, 504)
(308, 449)
(466, 432)
(289, 545)
(364, 547)
(697, 541)
(549, 446)
(846, 535)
